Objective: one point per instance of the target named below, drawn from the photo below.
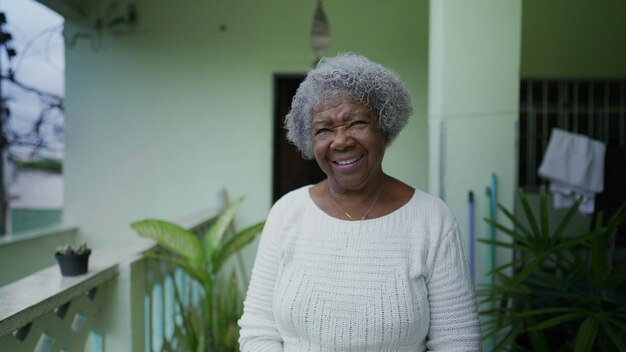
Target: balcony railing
(124, 303)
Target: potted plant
(73, 259)
(210, 325)
(558, 293)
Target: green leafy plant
(210, 324)
(562, 294)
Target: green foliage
(174, 238)
(563, 295)
(210, 324)
(49, 165)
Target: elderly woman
(360, 261)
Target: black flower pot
(73, 264)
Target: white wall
(160, 118)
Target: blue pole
(472, 255)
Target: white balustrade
(124, 303)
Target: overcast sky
(40, 61)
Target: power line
(31, 42)
(11, 78)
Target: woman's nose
(341, 139)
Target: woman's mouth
(345, 164)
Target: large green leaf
(518, 224)
(543, 213)
(586, 335)
(504, 244)
(229, 311)
(504, 304)
(564, 223)
(614, 336)
(516, 236)
(491, 311)
(198, 274)
(598, 253)
(502, 267)
(216, 231)
(236, 305)
(537, 338)
(529, 214)
(491, 330)
(619, 216)
(234, 244)
(621, 326)
(556, 321)
(573, 243)
(508, 338)
(547, 311)
(172, 237)
(529, 269)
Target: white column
(473, 104)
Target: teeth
(346, 162)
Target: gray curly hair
(348, 75)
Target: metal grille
(596, 108)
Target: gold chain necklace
(368, 209)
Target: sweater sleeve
(454, 324)
(258, 329)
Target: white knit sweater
(395, 283)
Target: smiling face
(348, 144)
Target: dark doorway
(291, 171)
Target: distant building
(35, 200)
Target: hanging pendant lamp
(320, 32)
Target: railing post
(125, 331)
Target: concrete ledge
(26, 299)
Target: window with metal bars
(596, 108)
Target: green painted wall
(574, 38)
(160, 118)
